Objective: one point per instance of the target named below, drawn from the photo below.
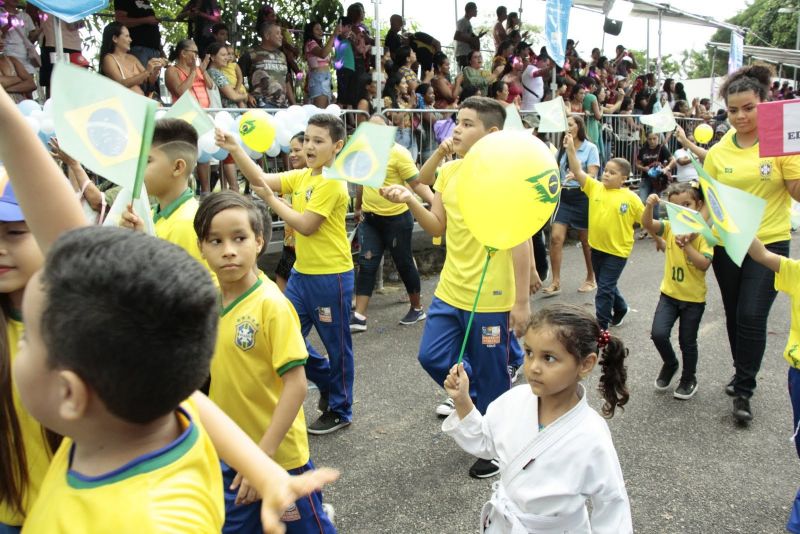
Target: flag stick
(489, 253)
(147, 139)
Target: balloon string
(489, 253)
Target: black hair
(298, 136)
(178, 48)
(112, 29)
(438, 60)
(308, 32)
(679, 188)
(213, 48)
(178, 139)
(422, 89)
(496, 87)
(470, 5)
(501, 10)
(490, 112)
(468, 91)
(332, 123)
(133, 315)
(579, 332)
(213, 204)
(218, 27)
(401, 56)
(390, 89)
(754, 78)
(362, 90)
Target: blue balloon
(27, 106)
(220, 154)
(286, 149)
(44, 138)
(205, 157)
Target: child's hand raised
(129, 219)
(653, 200)
(398, 194)
(225, 140)
(446, 148)
(568, 142)
(457, 384)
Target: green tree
(766, 26)
(670, 67)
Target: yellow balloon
(508, 188)
(257, 130)
(703, 133)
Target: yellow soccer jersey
(175, 224)
(326, 251)
(788, 281)
(465, 257)
(176, 489)
(399, 170)
(37, 452)
(258, 340)
(682, 280)
(764, 177)
(612, 214)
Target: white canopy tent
(778, 56)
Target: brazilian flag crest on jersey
(246, 330)
(364, 158)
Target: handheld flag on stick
(188, 109)
(106, 129)
(513, 120)
(661, 122)
(363, 159)
(141, 205)
(686, 221)
(552, 117)
(724, 200)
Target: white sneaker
(446, 408)
(329, 510)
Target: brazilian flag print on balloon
(507, 190)
(363, 159)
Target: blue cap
(9, 209)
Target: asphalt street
(688, 466)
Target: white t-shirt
(686, 173)
(531, 83)
(15, 46)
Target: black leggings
(540, 254)
(377, 233)
(747, 295)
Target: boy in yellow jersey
(321, 282)
(787, 279)
(259, 380)
(504, 303)
(173, 155)
(683, 290)
(385, 224)
(613, 210)
(119, 332)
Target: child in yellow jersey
(257, 369)
(388, 225)
(787, 279)
(321, 282)
(119, 331)
(23, 447)
(683, 290)
(613, 210)
(173, 155)
(504, 304)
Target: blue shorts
(305, 517)
(8, 529)
(491, 348)
(319, 84)
(572, 209)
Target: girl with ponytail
(748, 291)
(553, 450)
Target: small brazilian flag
(687, 221)
(188, 109)
(103, 125)
(723, 201)
(364, 158)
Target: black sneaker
(686, 389)
(665, 377)
(484, 468)
(741, 410)
(513, 372)
(729, 390)
(322, 404)
(413, 316)
(356, 324)
(328, 422)
(618, 316)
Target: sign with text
(779, 128)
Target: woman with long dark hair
(117, 63)
(318, 57)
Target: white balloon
(223, 119)
(311, 110)
(296, 112)
(334, 109)
(48, 107)
(281, 118)
(282, 136)
(33, 123)
(206, 142)
(47, 125)
(36, 114)
(274, 150)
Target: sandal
(587, 287)
(551, 291)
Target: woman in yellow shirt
(748, 291)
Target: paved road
(687, 465)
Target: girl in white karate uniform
(554, 450)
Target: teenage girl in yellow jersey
(683, 290)
(24, 449)
(748, 290)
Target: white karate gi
(546, 476)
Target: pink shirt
(198, 88)
(314, 61)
